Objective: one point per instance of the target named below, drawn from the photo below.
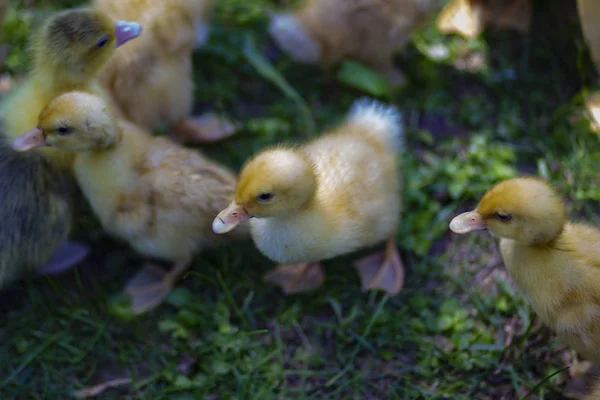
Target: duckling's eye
(63, 130)
(503, 217)
(102, 42)
(264, 197)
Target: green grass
(458, 330)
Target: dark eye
(265, 196)
(102, 42)
(503, 217)
(63, 130)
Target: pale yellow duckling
(152, 79)
(332, 196)
(149, 191)
(554, 261)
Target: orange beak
(467, 222)
(229, 218)
(29, 140)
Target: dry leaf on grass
(95, 390)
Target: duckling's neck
(108, 172)
(57, 80)
(548, 237)
(59, 84)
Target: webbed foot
(383, 270)
(151, 286)
(205, 128)
(67, 256)
(296, 278)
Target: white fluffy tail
(292, 37)
(383, 121)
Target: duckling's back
(562, 281)
(35, 215)
(358, 180)
(584, 308)
(189, 191)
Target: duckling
(332, 196)
(157, 195)
(152, 78)
(554, 261)
(326, 32)
(36, 190)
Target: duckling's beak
(126, 30)
(29, 140)
(229, 218)
(468, 222)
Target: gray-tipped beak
(126, 30)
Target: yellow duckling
(149, 191)
(554, 261)
(36, 190)
(334, 195)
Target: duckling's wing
(182, 177)
(584, 240)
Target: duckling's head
(277, 182)
(73, 121)
(525, 209)
(77, 43)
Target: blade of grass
(35, 353)
(268, 72)
(543, 381)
